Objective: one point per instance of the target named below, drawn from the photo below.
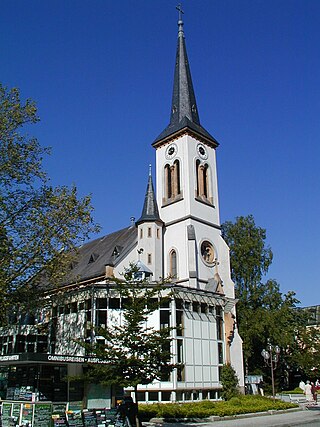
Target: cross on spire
(179, 8)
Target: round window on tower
(207, 252)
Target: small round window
(207, 252)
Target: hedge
(204, 409)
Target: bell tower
(187, 188)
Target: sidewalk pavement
(285, 418)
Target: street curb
(258, 414)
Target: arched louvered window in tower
(168, 182)
(172, 181)
(203, 181)
(198, 178)
(176, 178)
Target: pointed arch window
(176, 178)
(198, 190)
(203, 181)
(173, 264)
(172, 180)
(168, 181)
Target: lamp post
(271, 358)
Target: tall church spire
(183, 98)
(184, 111)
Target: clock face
(171, 151)
(202, 152)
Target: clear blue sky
(101, 73)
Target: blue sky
(101, 73)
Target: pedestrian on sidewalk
(308, 392)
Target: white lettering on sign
(12, 357)
(66, 359)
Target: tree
(303, 355)
(262, 310)
(40, 225)
(132, 351)
(250, 257)
(229, 381)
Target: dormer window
(116, 251)
(93, 258)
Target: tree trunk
(138, 423)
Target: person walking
(302, 385)
(308, 392)
(260, 387)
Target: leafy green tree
(134, 353)
(262, 311)
(249, 255)
(229, 381)
(303, 355)
(40, 225)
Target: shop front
(40, 390)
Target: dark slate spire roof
(183, 97)
(150, 210)
(184, 111)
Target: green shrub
(236, 405)
(229, 381)
(297, 390)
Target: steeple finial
(179, 8)
(180, 22)
(150, 166)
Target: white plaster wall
(205, 272)
(187, 155)
(175, 237)
(236, 357)
(151, 245)
(131, 257)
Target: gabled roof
(92, 257)
(184, 110)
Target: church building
(178, 235)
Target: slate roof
(184, 111)
(107, 250)
(150, 211)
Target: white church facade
(179, 236)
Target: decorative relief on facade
(207, 252)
